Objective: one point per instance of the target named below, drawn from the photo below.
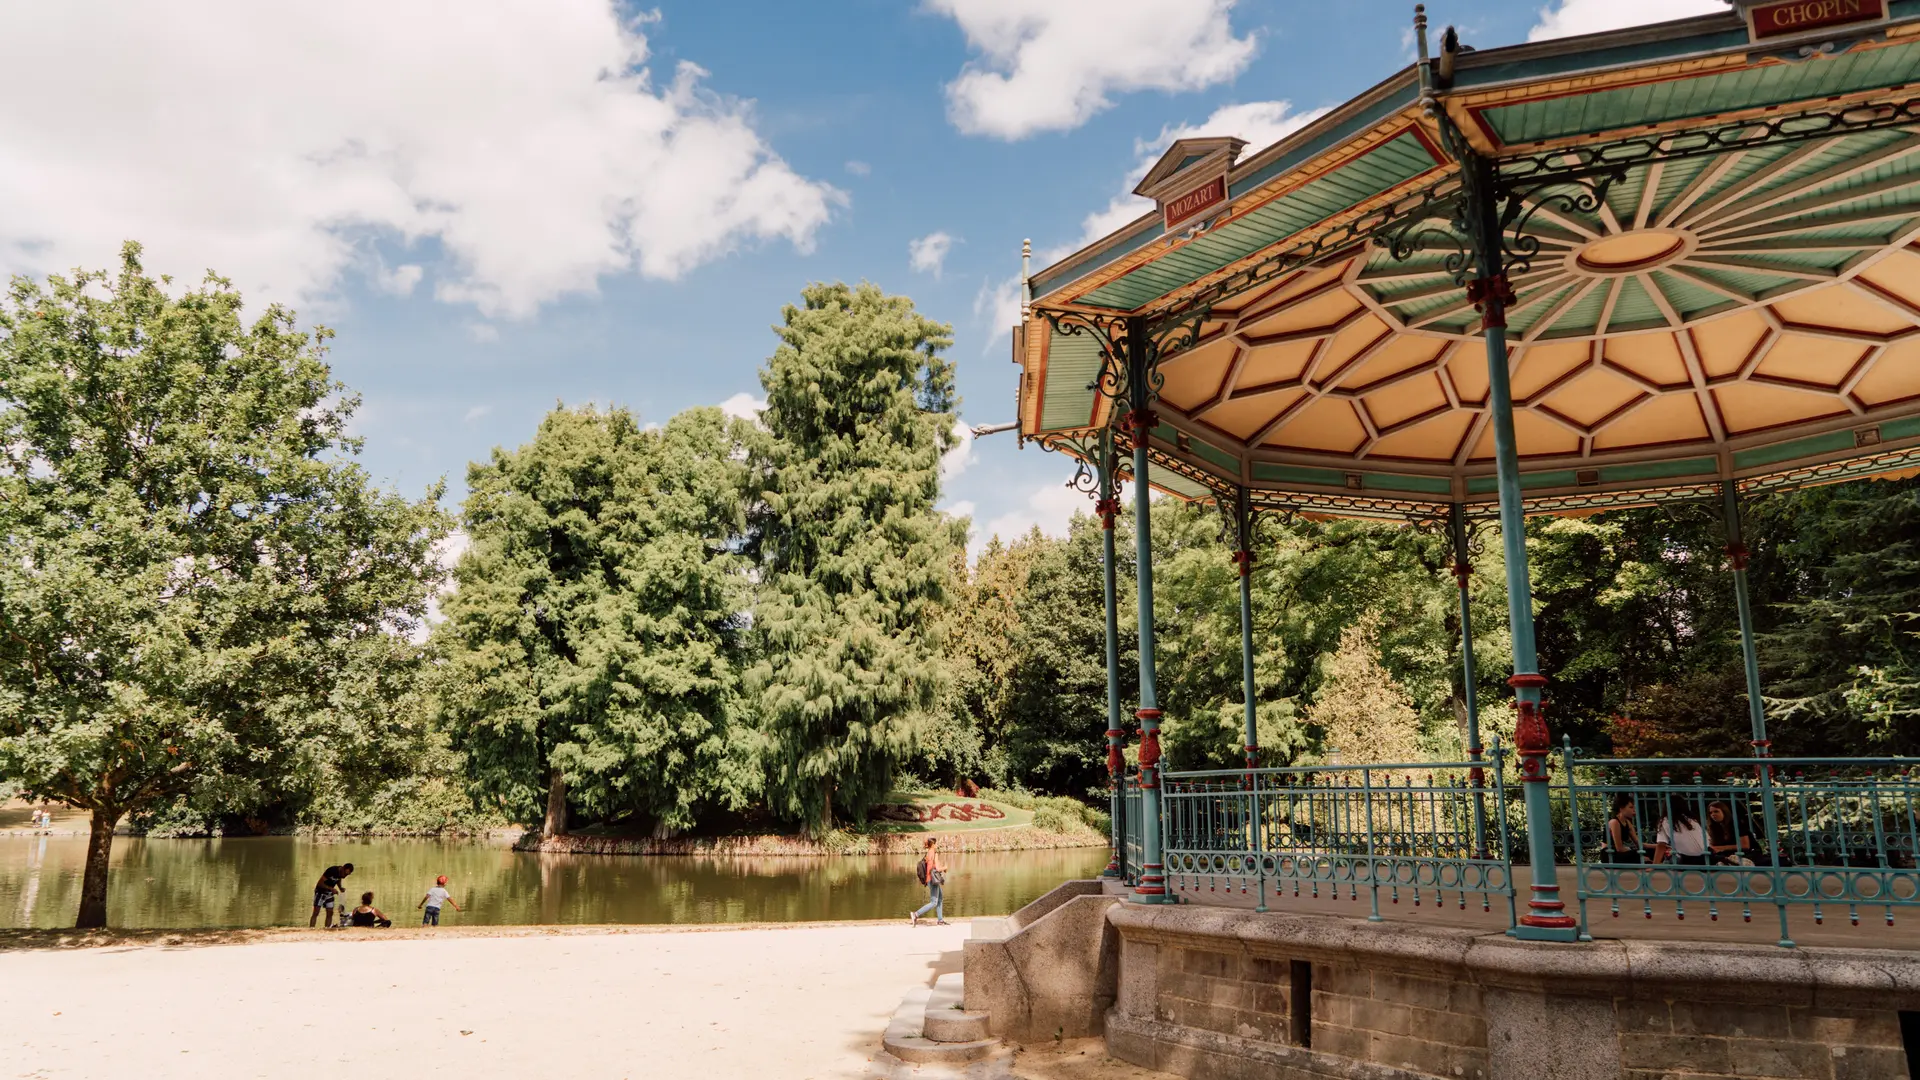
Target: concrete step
(957, 1040)
(946, 1021)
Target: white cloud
(484, 333)
(400, 280)
(928, 254)
(997, 304)
(957, 460)
(744, 406)
(276, 142)
(1260, 123)
(859, 168)
(476, 413)
(447, 553)
(1053, 66)
(1570, 17)
(1049, 507)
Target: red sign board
(1799, 16)
(1195, 202)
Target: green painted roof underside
(1679, 99)
(1394, 163)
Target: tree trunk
(556, 823)
(93, 887)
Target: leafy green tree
(1055, 719)
(1362, 710)
(1844, 653)
(595, 639)
(853, 556)
(983, 612)
(199, 589)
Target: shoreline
(964, 842)
(24, 939)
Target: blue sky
(561, 200)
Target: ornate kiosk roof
(1713, 239)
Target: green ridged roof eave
(1386, 166)
(1703, 95)
(1490, 68)
(1073, 361)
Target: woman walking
(933, 874)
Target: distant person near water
(368, 915)
(324, 890)
(431, 903)
(933, 874)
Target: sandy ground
(788, 1003)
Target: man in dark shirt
(326, 889)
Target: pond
(268, 881)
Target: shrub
(1050, 818)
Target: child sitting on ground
(368, 915)
(432, 902)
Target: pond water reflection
(267, 881)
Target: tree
(853, 556)
(980, 617)
(190, 563)
(1055, 719)
(1361, 708)
(595, 639)
(1845, 652)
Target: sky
(505, 205)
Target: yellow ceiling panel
(1194, 377)
(1815, 361)
(1327, 424)
(1725, 343)
(1667, 419)
(1389, 405)
(1755, 406)
(1592, 397)
(1541, 365)
(1841, 307)
(1432, 440)
(1895, 376)
(1654, 357)
(1244, 418)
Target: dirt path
(800, 1003)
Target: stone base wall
(1217, 993)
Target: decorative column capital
(1140, 422)
(1490, 296)
(1244, 560)
(1737, 555)
(1107, 509)
(1463, 573)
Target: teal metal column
(1243, 558)
(1141, 422)
(1546, 918)
(1737, 559)
(1108, 507)
(1469, 677)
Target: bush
(1020, 800)
(1052, 819)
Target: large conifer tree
(860, 406)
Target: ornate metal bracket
(1109, 332)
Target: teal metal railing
(1733, 834)
(1421, 832)
(1132, 854)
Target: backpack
(920, 871)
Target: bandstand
(1678, 263)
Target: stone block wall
(1689, 1039)
(1217, 993)
(1414, 1022)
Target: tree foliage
(594, 643)
(201, 593)
(853, 557)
